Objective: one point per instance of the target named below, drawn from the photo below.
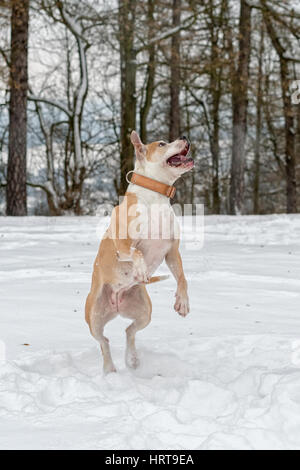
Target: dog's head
(162, 161)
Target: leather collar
(153, 185)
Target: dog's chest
(156, 231)
(154, 252)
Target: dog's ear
(140, 148)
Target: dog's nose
(183, 138)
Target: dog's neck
(148, 194)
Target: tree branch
(5, 57)
(167, 34)
(51, 103)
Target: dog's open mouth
(181, 159)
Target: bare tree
(128, 67)
(288, 110)
(258, 124)
(174, 124)
(16, 197)
(215, 25)
(150, 73)
(75, 168)
(239, 110)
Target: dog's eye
(162, 144)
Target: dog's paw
(140, 270)
(109, 368)
(182, 306)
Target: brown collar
(153, 185)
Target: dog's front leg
(126, 252)
(174, 262)
(124, 244)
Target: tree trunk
(298, 138)
(215, 150)
(258, 126)
(216, 91)
(290, 157)
(239, 108)
(271, 129)
(128, 86)
(174, 126)
(288, 110)
(150, 75)
(16, 195)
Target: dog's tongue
(176, 160)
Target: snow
(226, 377)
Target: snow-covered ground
(225, 377)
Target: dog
(134, 246)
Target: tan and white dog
(134, 246)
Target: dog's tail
(157, 279)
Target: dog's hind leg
(98, 313)
(136, 305)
